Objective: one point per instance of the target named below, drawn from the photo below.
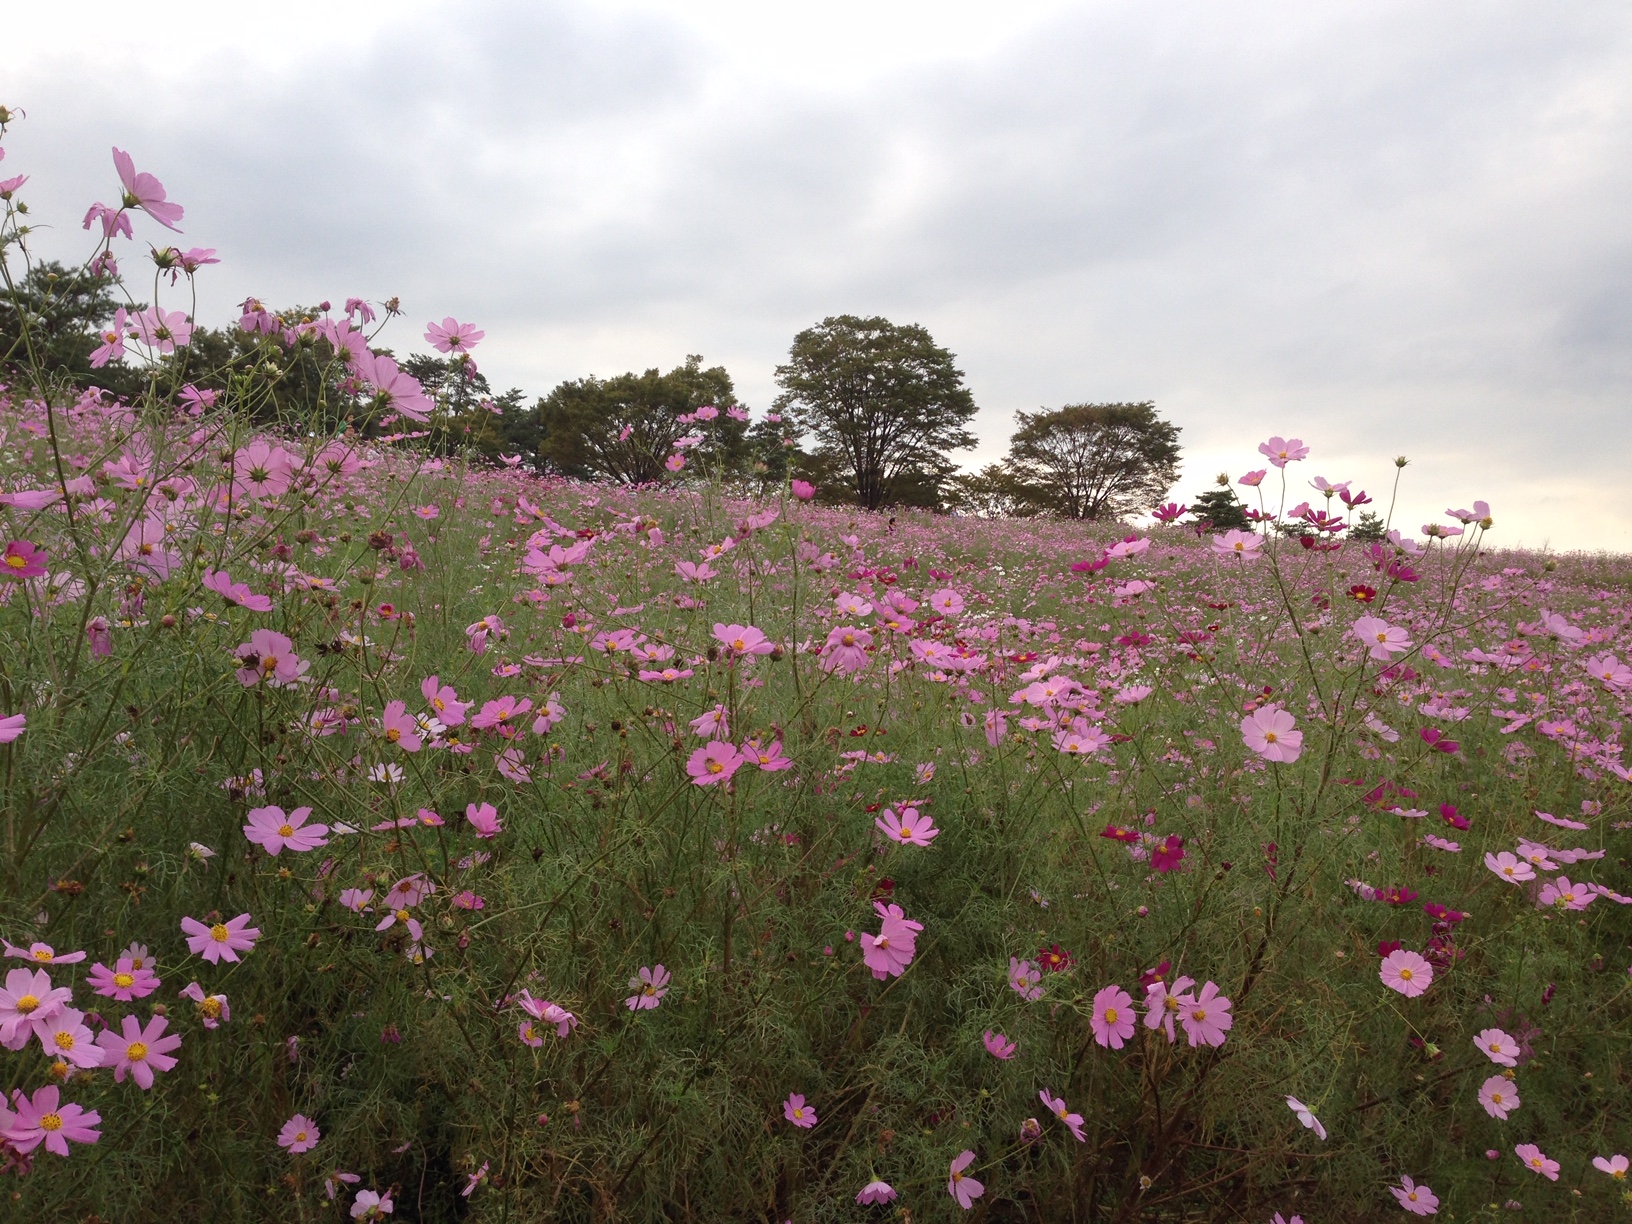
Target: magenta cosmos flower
(299, 1134)
(1113, 1019)
(1271, 733)
(909, 828)
(27, 999)
(221, 940)
(714, 762)
(1537, 1161)
(127, 980)
(145, 192)
(650, 985)
(963, 1188)
(398, 727)
(45, 1119)
(1406, 972)
(1057, 1106)
(999, 1046)
(273, 831)
(1417, 1199)
(796, 1111)
(1500, 1096)
(449, 710)
(22, 560)
(452, 336)
(876, 1191)
(139, 1050)
(1206, 1017)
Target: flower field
(388, 836)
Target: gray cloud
(1386, 227)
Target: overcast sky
(1386, 227)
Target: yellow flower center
(51, 1122)
(715, 767)
(956, 1176)
(16, 562)
(43, 955)
(64, 1041)
(136, 1051)
(1110, 1015)
(393, 735)
(403, 915)
(210, 1006)
(1412, 1196)
(300, 1136)
(269, 663)
(219, 933)
(738, 644)
(1269, 737)
(124, 980)
(1199, 1014)
(1405, 975)
(27, 1004)
(1170, 1004)
(286, 830)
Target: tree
(624, 429)
(1220, 507)
(992, 492)
(884, 402)
(64, 311)
(1092, 461)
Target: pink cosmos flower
(889, 952)
(269, 656)
(395, 390)
(65, 1037)
(22, 560)
(1500, 1096)
(1615, 1166)
(369, 1205)
(1382, 640)
(714, 762)
(396, 727)
(1113, 1018)
(221, 940)
(946, 602)
(802, 489)
(452, 336)
(650, 985)
(1562, 892)
(1510, 867)
(999, 1046)
(236, 593)
(450, 711)
(112, 336)
(1206, 1017)
(27, 999)
(908, 828)
(40, 953)
(1406, 972)
(695, 571)
(963, 1188)
(1498, 1047)
(145, 192)
(1270, 732)
(139, 1050)
(299, 1134)
(743, 640)
(549, 1013)
(1164, 1002)
(213, 1010)
(484, 818)
(1026, 979)
(768, 758)
(1056, 1106)
(876, 1191)
(1417, 1199)
(796, 1111)
(125, 981)
(846, 650)
(1254, 479)
(1306, 1116)
(501, 713)
(43, 1118)
(1537, 1161)
(12, 726)
(1242, 544)
(164, 330)
(271, 830)
(1282, 451)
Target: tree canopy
(1093, 461)
(884, 403)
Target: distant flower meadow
(394, 837)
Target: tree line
(869, 413)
